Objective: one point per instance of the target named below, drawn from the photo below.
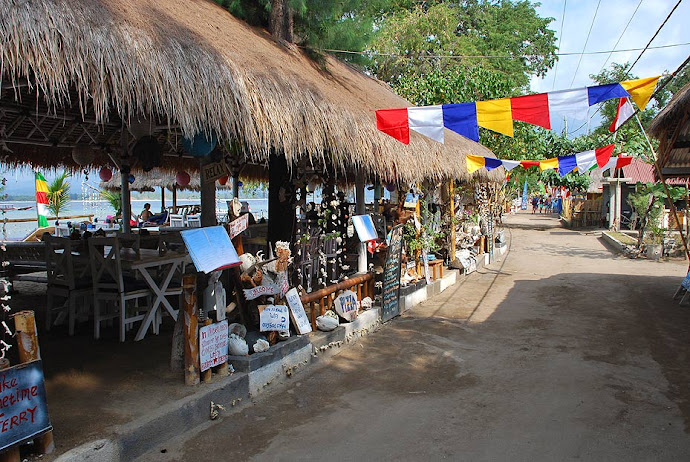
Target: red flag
(603, 155)
(394, 122)
(623, 113)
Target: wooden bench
(433, 266)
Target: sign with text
(297, 313)
(235, 227)
(346, 305)
(258, 291)
(391, 276)
(274, 317)
(23, 408)
(213, 345)
(213, 171)
(210, 248)
(364, 226)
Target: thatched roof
(195, 68)
(672, 128)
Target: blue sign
(523, 206)
(23, 408)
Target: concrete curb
(134, 439)
(613, 243)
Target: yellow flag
(495, 115)
(640, 90)
(548, 164)
(474, 163)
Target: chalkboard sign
(23, 408)
(391, 276)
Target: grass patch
(624, 238)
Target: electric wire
(591, 26)
(560, 37)
(622, 33)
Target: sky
(571, 30)
(607, 28)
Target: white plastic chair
(194, 221)
(177, 220)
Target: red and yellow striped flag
(42, 200)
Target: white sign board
(346, 305)
(297, 313)
(213, 345)
(237, 226)
(274, 317)
(364, 226)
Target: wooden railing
(324, 298)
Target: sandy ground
(562, 351)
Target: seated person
(146, 214)
(157, 220)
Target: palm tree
(58, 194)
(114, 199)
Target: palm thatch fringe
(193, 64)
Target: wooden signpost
(391, 276)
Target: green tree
(58, 194)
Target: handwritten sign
(213, 345)
(274, 317)
(213, 171)
(282, 283)
(297, 313)
(346, 305)
(258, 291)
(235, 227)
(23, 408)
(391, 276)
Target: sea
(101, 209)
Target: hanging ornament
(223, 180)
(182, 178)
(83, 154)
(200, 145)
(390, 187)
(239, 184)
(131, 179)
(105, 174)
(148, 152)
(140, 128)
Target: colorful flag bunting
(42, 200)
(474, 163)
(617, 162)
(498, 115)
(495, 115)
(567, 164)
(623, 113)
(640, 90)
(548, 164)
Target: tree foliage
(58, 194)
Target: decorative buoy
(182, 178)
(391, 187)
(131, 179)
(200, 145)
(105, 174)
(83, 154)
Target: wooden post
(174, 198)
(11, 454)
(451, 193)
(191, 333)
(312, 307)
(208, 373)
(162, 199)
(27, 345)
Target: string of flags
(499, 114)
(584, 162)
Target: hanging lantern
(390, 187)
(83, 154)
(131, 179)
(182, 178)
(239, 184)
(140, 128)
(223, 180)
(105, 174)
(200, 145)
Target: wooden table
(169, 264)
(434, 265)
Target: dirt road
(562, 351)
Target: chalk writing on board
(391, 276)
(23, 409)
